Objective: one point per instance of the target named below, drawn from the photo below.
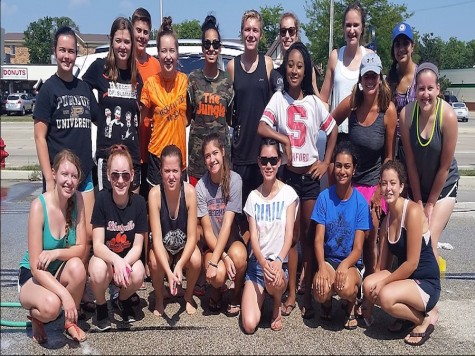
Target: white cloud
(8, 9)
(78, 3)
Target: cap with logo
(405, 29)
(370, 63)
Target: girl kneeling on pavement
(413, 289)
(342, 217)
(119, 222)
(271, 211)
(172, 214)
(219, 200)
(52, 275)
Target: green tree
(189, 29)
(270, 24)
(455, 54)
(381, 15)
(430, 49)
(39, 37)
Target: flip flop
(286, 310)
(233, 310)
(347, 325)
(424, 336)
(70, 336)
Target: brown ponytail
(226, 175)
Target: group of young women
(241, 221)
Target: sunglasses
(207, 44)
(272, 160)
(116, 175)
(290, 30)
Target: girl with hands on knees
(413, 289)
(52, 275)
(293, 118)
(219, 200)
(173, 220)
(342, 217)
(271, 210)
(120, 224)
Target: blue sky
(445, 18)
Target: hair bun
(167, 24)
(209, 22)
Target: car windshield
(458, 105)
(13, 97)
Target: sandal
(286, 310)
(39, 326)
(233, 310)
(326, 310)
(348, 325)
(424, 336)
(77, 329)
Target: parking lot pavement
(179, 333)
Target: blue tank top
(251, 95)
(369, 145)
(427, 152)
(51, 242)
(427, 269)
(174, 229)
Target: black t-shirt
(68, 109)
(118, 109)
(120, 225)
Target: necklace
(210, 79)
(433, 125)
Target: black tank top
(174, 230)
(251, 95)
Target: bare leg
(193, 268)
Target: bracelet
(215, 265)
(279, 259)
(226, 256)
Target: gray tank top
(369, 145)
(427, 153)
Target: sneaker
(102, 318)
(126, 310)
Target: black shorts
(304, 185)
(24, 274)
(449, 191)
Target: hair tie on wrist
(215, 265)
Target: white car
(19, 103)
(461, 110)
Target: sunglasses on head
(207, 44)
(116, 175)
(272, 160)
(290, 30)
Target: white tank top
(343, 82)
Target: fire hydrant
(3, 153)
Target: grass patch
(26, 118)
(467, 172)
(28, 167)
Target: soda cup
(442, 265)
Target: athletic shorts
(368, 191)
(254, 272)
(304, 185)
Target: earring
(360, 87)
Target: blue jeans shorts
(254, 272)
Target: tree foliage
(189, 29)
(270, 23)
(39, 37)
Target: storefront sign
(15, 73)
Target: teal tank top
(50, 242)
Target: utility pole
(161, 11)
(330, 40)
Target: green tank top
(50, 242)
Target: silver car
(19, 103)
(461, 110)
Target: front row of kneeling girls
(119, 220)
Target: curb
(7, 174)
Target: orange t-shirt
(168, 101)
(150, 67)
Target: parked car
(461, 110)
(450, 98)
(19, 103)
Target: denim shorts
(254, 272)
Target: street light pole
(161, 11)
(330, 40)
